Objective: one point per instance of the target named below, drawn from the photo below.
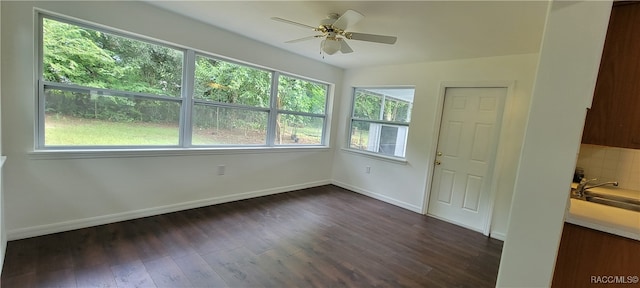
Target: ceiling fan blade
(293, 23)
(350, 17)
(344, 47)
(303, 39)
(371, 37)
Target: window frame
(353, 118)
(186, 99)
(323, 137)
(193, 102)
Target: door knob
(438, 163)
(439, 153)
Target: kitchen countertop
(622, 222)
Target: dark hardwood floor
(318, 237)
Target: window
(301, 111)
(380, 120)
(231, 103)
(99, 89)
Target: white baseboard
(40, 230)
(498, 235)
(380, 197)
(456, 223)
(495, 235)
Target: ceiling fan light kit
(333, 30)
(330, 46)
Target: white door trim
(497, 169)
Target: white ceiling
(426, 30)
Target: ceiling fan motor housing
(327, 22)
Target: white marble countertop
(618, 221)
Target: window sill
(163, 152)
(376, 156)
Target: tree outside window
(109, 90)
(380, 120)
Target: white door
(467, 145)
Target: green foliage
(86, 57)
(221, 81)
(301, 96)
(71, 56)
(111, 108)
(397, 111)
(225, 82)
(368, 106)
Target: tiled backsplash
(611, 164)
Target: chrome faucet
(583, 185)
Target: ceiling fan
(333, 30)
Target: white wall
(52, 195)
(49, 195)
(3, 232)
(569, 61)
(405, 184)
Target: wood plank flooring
(318, 237)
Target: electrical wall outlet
(367, 169)
(221, 169)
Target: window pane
(367, 105)
(397, 104)
(396, 110)
(86, 57)
(228, 126)
(388, 140)
(301, 96)
(105, 88)
(379, 138)
(295, 129)
(84, 119)
(225, 82)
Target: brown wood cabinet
(614, 117)
(586, 253)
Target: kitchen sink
(608, 199)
